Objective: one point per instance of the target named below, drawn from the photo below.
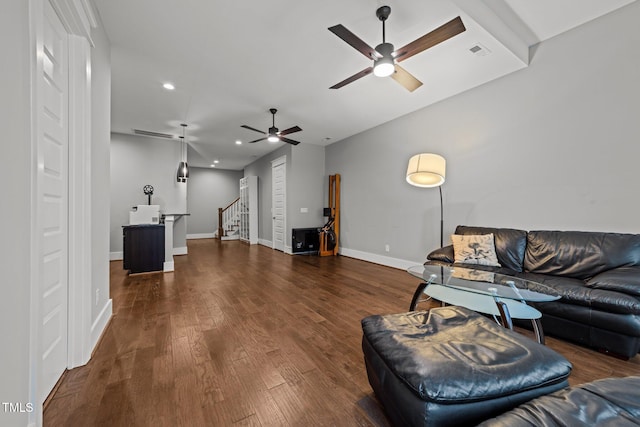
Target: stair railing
(227, 216)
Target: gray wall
(100, 174)
(135, 162)
(553, 146)
(16, 208)
(209, 189)
(306, 188)
(305, 184)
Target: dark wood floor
(244, 335)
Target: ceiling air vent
(153, 134)
(479, 50)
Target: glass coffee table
(482, 291)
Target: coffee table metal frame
(485, 292)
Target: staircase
(229, 222)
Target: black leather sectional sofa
(606, 402)
(597, 275)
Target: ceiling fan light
(384, 67)
(273, 138)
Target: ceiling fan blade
(253, 129)
(440, 34)
(405, 78)
(289, 141)
(257, 140)
(353, 78)
(290, 130)
(354, 41)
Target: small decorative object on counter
(148, 190)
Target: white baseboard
(201, 236)
(288, 250)
(101, 323)
(119, 256)
(180, 251)
(168, 266)
(378, 259)
(267, 243)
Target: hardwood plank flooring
(244, 335)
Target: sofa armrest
(444, 254)
(622, 279)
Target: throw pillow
(475, 249)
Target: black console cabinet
(143, 247)
(305, 240)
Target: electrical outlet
(97, 296)
(386, 248)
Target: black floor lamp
(428, 170)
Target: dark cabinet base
(305, 240)
(143, 247)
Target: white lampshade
(426, 170)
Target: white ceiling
(230, 61)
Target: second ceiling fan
(275, 135)
(385, 58)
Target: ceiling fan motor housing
(384, 66)
(385, 49)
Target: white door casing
(60, 236)
(279, 201)
(53, 202)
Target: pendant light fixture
(183, 169)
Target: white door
(53, 201)
(278, 201)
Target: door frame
(77, 17)
(275, 163)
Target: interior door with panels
(278, 205)
(53, 201)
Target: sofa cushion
(623, 323)
(444, 254)
(574, 292)
(510, 244)
(477, 249)
(606, 402)
(579, 254)
(623, 279)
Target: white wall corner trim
(116, 256)
(79, 345)
(168, 266)
(378, 259)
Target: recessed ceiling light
(238, 142)
(213, 166)
(168, 86)
(216, 161)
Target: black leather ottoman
(452, 366)
(608, 402)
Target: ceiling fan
(385, 59)
(273, 135)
